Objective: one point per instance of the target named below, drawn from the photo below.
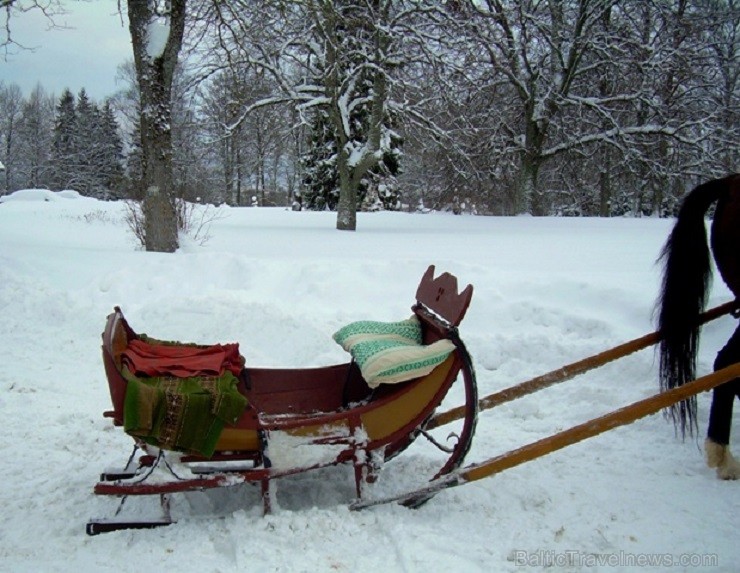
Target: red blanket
(147, 359)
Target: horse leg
(720, 415)
(716, 445)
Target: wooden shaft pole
(565, 373)
(540, 448)
(620, 417)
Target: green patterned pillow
(407, 331)
(390, 352)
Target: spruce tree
(378, 187)
(110, 170)
(320, 180)
(86, 145)
(64, 152)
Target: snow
(158, 32)
(287, 451)
(40, 195)
(548, 292)
(31, 195)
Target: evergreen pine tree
(320, 180)
(378, 189)
(86, 144)
(64, 153)
(110, 170)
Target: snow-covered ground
(547, 292)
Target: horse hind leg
(716, 445)
(720, 457)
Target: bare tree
(14, 8)
(721, 37)
(539, 49)
(337, 56)
(578, 107)
(11, 108)
(35, 143)
(157, 29)
(248, 152)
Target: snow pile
(30, 195)
(39, 195)
(547, 292)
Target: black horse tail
(687, 274)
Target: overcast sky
(85, 54)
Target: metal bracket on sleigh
(328, 410)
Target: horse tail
(687, 274)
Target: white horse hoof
(720, 457)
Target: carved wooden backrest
(441, 296)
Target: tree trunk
(350, 177)
(156, 34)
(347, 205)
(605, 192)
(526, 186)
(238, 174)
(227, 153)
(527, 199)
(8, 153)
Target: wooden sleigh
(302, 419)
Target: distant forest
(572, 108)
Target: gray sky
(85, 54)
